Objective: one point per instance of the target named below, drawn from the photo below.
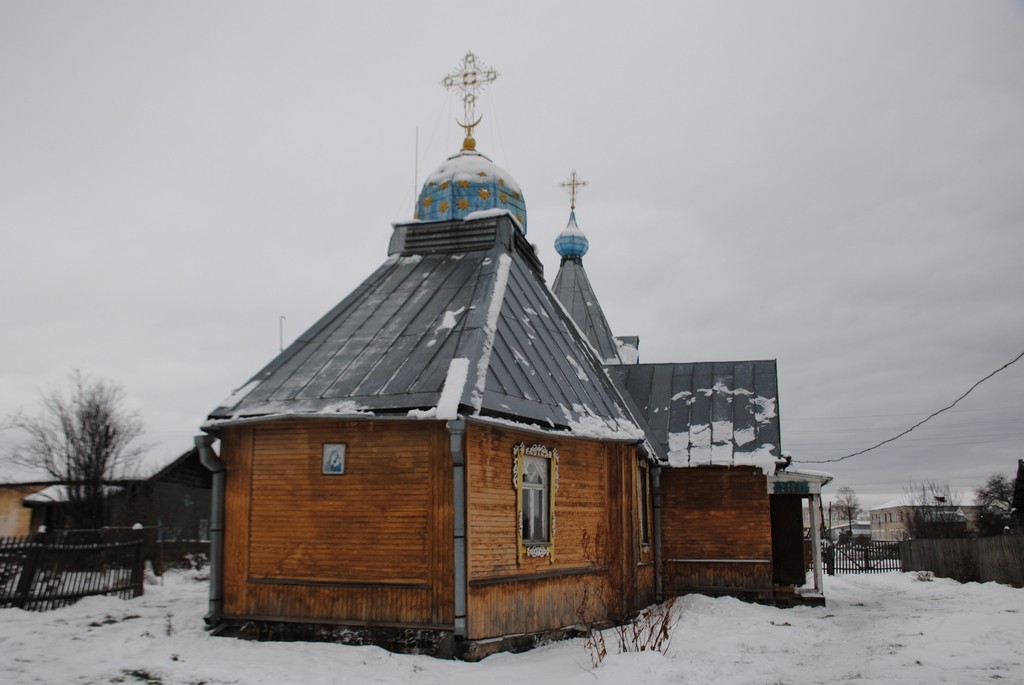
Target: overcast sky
(838, 186)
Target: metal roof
(707, 412)
(573, 290)
(462, 294)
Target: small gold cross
(470, 78)
(573, 184)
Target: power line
(847, 417)
(919, 423)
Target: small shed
(169, 495)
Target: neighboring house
(898, 518)
(15, 519)
(16, 483)
(858, 529)
(172, 496)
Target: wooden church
(457, 458)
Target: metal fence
(56, 569)
(861, 556)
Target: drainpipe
(213, 463)
(656, 497)
(457, 429)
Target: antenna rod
(281, 324)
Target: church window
(535, 477)
(536, 484)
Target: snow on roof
(58, 494)
(914, 500)
(494, 306)
(708, 413)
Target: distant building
(858, 529)
(168, 494)
(898, 519)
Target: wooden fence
(861, 556)
(999, 559)
(56, 569)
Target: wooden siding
(373, 545)
(594, 569)
(716, 530)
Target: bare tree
(934, 511)
(995, 498)
(84, 439)
(847, 506)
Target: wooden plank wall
(999, 559)
(720, 514)
(370, 546)
(594, 567)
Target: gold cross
(573, 184)
(470, 78)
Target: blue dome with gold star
(469, 182)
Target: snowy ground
(876, 629)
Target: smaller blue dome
(572, 242)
